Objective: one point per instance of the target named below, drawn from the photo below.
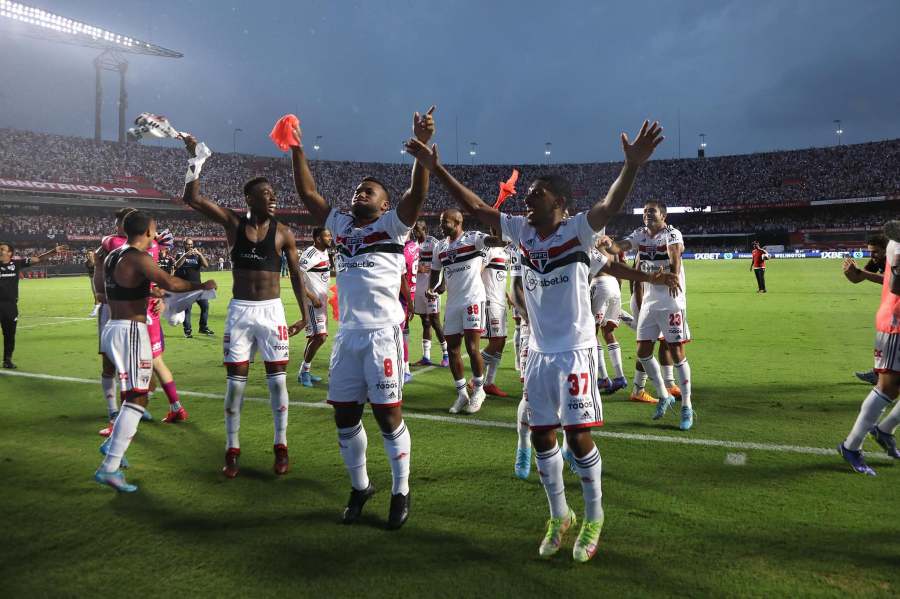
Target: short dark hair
(317, 231)
(9, 245)
(123, 212)
(659, 204)
(249, 185)
(136, 223)
(557, 185)
(878, 240)
(375, 180)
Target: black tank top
(246, 255)
(114, 291)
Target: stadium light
(473, 150)
(547, 151)
(838, 130)
(703, 140)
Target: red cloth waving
(507, 189)
(283, 132)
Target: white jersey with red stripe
(496, 264)
(426, 252)
(515, 263)
(314, 263)
(461, 262)
(654, 257)
(369, 263)
(556, 280)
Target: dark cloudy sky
(752, 75)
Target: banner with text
(126, 188)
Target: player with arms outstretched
(561, 368)
(129, 271)
(367, 356)
(255, 318)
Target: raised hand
(426, 157)
(190, 142)
(298, 135)
(423, 125)
(638, 152)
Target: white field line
(58, 321)
(412, 415)
(421, 370)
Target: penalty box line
(413, 415)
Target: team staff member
(9, 294)
(187, 267)
(758, 266)
(873, 271)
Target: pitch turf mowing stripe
(746, 445)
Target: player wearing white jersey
(367, 357)
(460, 257)
(428, 309)
(606, 304)
(560, 370)
(494, 275)
(659, 248)
(515, 271)
(316, 267)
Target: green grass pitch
(771, 369)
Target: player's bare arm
(621, 271)
(413, 199)
(675, 250)
(467, 199)
(203, 261)
(854, 274)
(518, 297)
(636, 154)
(41, 257)
(305, 183)
(204, 205)
(145, 265)
(895, 275)
(289, 247)
(99, 269)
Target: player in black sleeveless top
(256, 319)
(125, 341)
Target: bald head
(451, 222)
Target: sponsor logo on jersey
(385, 385)
(532, 281)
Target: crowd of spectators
(858, 170)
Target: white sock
(668, 374)
(871, 409)
(615, 356)
(278, 399)
(488, 360)
(517, 341)
(522, 425)
(684, 379)
(109, 394)
(443, 348)
(353, 442)
(550, 468)
(890, 422)
(589, 469)
(305, 367)
(461, 387)
(398, 445)
(640, 380)
(602, 373)
(651, 367)
(234, 402)
(426, 348)
(477, 382)
(124, 429)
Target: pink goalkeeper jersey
(411, 254)
(887, 319)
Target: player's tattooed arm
(621, 271)
(147, 267)
(289, 249)
(201, 204)
(413, 199)
(305, 184)
(99, 268)
(465, 197)
(636, 154)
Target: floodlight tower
(35, 22)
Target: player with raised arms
(255, 318)
(367, 355)
(129, 271)
(561, 369)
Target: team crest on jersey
(354, 242)
(539, 258)
(451, 255)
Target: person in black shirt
(166, 262)
(9, 294)
(187, 267)
(873, 271)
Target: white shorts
(606, 303)
(495, 319)
(367, 365)
(887, 352)
(316, 319)
(255, 325)
(561, 390)
(102, 319)
(667, 323)
(126, 343)
(466, 317)
(423, 305)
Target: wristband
(195, 163)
